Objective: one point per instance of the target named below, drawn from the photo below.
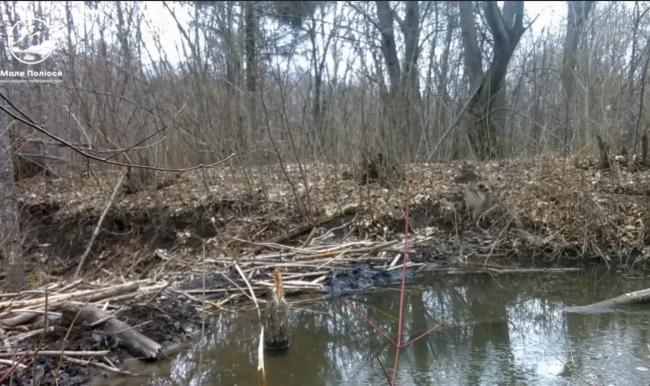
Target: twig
(12, 363)
(90, 294)
(29, 334)
(103, 160)
(13, 368)
(250, 289)
(99, 365)
(99, 224)
(61, 352)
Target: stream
(498, 330)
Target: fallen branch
(502, 271)
(636, 297)
(136, 343)
(12, 363)
(91, 295)
(59, 352)
(98, 227)
(99, 365)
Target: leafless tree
(506, 27)
(403, 99)
(577, 16)
(339, 77)
(10, 240)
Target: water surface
(503, 330)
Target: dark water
(507, 330)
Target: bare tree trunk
(10, 241)
(391, 131)
(318, 67)
(405, 99)
(472, 52)
(388, 48)
(123, 30)
(538, 101)
(250, 47)
(578, 13)
(410, 83)
(506, 29)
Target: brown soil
(555, 209)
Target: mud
(361, 277)
(169, 320)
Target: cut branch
(98, 227)
(136, 343)
(636, 297)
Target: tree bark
(388, 48)
(577, 15)
(411, 81)
(139, 345)
(636, 297)
(250, 48)
(404, 100)
(10, 240)
(506, 29)
(392, 136)
(472, 52)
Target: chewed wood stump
(276, 318)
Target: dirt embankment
(553, 208)
(195, 238)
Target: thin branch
(370, 322)
(477, 87)
(250, 289)
(422, 335)
(67, 144)
(99, 224)
(363, 13)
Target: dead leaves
(549, 199)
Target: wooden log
(636, 297)
(136, 343)
(57, 353)
(16, 320)
(276, 320)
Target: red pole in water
(402, 291)
(397, 343)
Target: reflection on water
(498, 331)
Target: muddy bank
(209, 240)
(79, 350)
(554, 210)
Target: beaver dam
(185, 260)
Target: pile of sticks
(304, 269)
(28, 316)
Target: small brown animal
(479, 199)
